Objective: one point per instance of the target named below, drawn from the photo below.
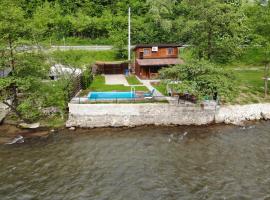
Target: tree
(201, 78)
(119, 36)
(161, 12)
(12, 27)
(87, 77)
(20, 91)
(214, 28)
(48, 22)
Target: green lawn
(250, 86)
(99, 85)
(132, 80)
(251, 78)
(161, 87)
(249, 72)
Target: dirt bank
(8, 132)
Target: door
(141, 55)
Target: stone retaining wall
(117, 115)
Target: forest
(218, 33)
(216, 28)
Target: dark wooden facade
(161, 53)
(149, 59)
(111, 67)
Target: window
(146, 52)
(170, 51)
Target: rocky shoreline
(238, 114)
(9, 131)
(101, 116)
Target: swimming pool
(111, 95)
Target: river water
(145, 163)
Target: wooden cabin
(150, 58)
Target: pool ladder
(132, 91)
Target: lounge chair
(149, 94)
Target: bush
(29, 110)
(87, 78)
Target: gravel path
(116, 79)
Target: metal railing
(154, 99)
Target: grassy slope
(160, 87)
(81, 57)
(248, 73)
(98, 85)
(132, 80)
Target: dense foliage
(215, 28)
(202, 79)
(21, 91)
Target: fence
(84, 100)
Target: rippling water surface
(149, 163)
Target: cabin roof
(159, 62)
(156, 45)
(111, 63)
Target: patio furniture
(187, 97)
(149, 94)
(148, 98)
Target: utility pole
(129, 38)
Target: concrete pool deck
(147, 83)
(119, 79)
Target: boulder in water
(72, 128)
(17, 140)
(29, 126)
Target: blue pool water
(111, 95)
